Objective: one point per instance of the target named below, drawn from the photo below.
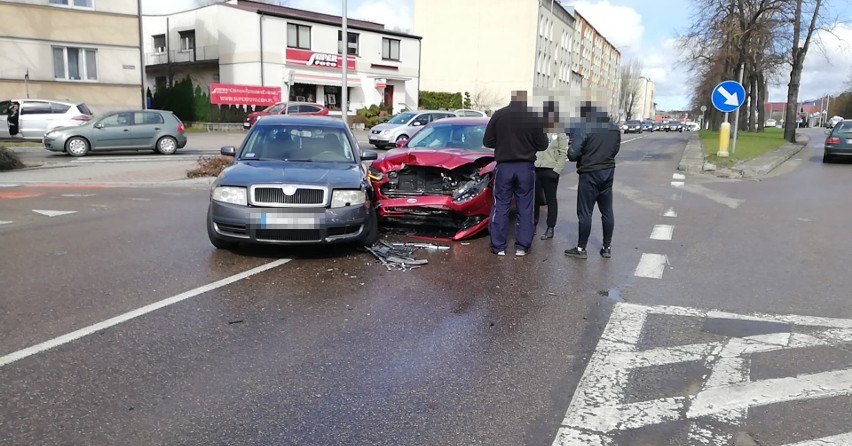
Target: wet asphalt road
(330, 348)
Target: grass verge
(210, 166)
(749, 145)
(9, 160)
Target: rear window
(843, 127)
(84, 109)
(58, 108)
(143, 118)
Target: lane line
(678, 176)
(9, 185)
(51, 213)
(670, 212)
(651, 266)
(677, 183)
(5, 222)
(74, 335)
(713, 195)
(835, 440)
(662, 232)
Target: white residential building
(644, 106)
(243, 43)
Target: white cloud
(828, 66)
(621, 25)
(392, 14)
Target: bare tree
(797, 60)
(484, 99)
(628, 98)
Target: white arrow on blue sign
(728, 96)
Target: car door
(35, 115)
(113, 132)
(4, 119)
(147, 129)
(293, 109)
(419, 122)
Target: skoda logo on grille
(289, 190)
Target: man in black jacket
(594, 145)
(515, 133)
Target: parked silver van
(35, 117)
(403, 125)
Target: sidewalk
(116, 174)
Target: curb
(768, 161)
(692, 160)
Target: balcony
(208, 53)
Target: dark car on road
(294, 180)
(839, 141)
(648, 126)
(441, 178)
(157, 130)
(674, 126)
(633, 127)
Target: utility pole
(344, 94)
(736, 115)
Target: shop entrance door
(388, 100)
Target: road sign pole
(727, 97)
(724, 138)
(737, 115)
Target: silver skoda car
(403, 125)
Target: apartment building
(72, 50)
(644, 106)
(598, 62)
(260, 53)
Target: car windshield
(401, 118)
(274, 108)
(632, 122)
(450, 136)
(673, 123)
(298, 143)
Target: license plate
(289, 220)
(849, 141)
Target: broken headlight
(471, 189)
(374, 175)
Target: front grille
(289, 235)
(276, 195)
(343, 230)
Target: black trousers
(546, 182)
(595, 187)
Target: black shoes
(548, 234)
(576, 252)
(606, 252)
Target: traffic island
(756, 154)
(768, 161)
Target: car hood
(395, 159)
(333, 175)
(385, 126)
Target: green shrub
(439, 100)
(9, 160)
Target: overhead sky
(641, 29)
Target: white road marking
(633, 139)
(134, 160)
(9, 185)
(678, 176)
(636, 196)
(711, 194)
(677, 184)
(651, 266)
(662, 232)
(78, 195)
(597, 410)
(5, 222)
(677, 196)
(74, 335)
(50, 213)
(670, 212)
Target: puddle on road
(612, 295)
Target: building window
(159, 44)
(390, 49)
(353, 43)
(333, 97)
(160, 83)
(298, 36)
(187, 40)
(75, 63)
(303, 93)
(73, 3)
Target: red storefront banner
(227, 94)
(320, 60)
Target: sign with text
(227, 94)
(320, 60)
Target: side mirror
(401, 143)
(99, 125)
(228, 151)
(416, 124)
(369, 155)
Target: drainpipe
(419, 63)
(260, 21)
(141, 56)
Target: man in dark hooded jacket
(594, 145)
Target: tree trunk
(798, 61)
(761, 103)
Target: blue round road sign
(728, 96)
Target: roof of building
(316, 17)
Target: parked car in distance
(633, 126)
(691, 126)
(674, 126)
(770, 123)
(158, 130)
(839, 141)
(441, 178)
(466, 112)
(833, 121)
(37, 116)
(648, 126)
(286, 108)
(294, 180)
(404, 125)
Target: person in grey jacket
(548, 166)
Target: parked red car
(440, 178)
(286, 108)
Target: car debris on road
(400, 256)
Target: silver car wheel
(166, 145)
(77, 146)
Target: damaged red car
(441, 179)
